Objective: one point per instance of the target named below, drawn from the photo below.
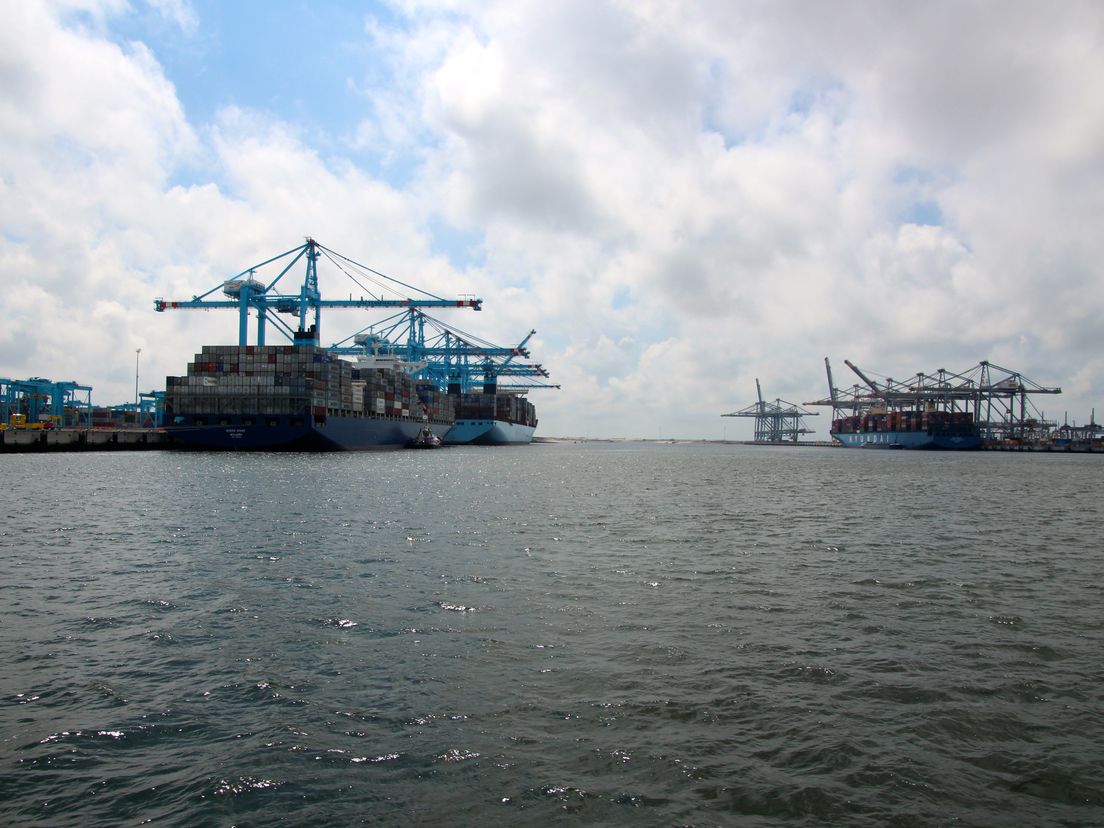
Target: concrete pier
(80, 439)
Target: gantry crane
(998, 399)
(39, 400)
(439, 353)
(246, 293)
(775, 422)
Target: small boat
(426, 439)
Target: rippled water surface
(566, 634)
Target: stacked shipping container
(931, 422)
(506, 407)
(392, 393)
(232, 380)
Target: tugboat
(426, 439)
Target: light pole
(137, 353)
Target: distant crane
(150, 412)
(997, 398)
(247, 293)
(775, 422)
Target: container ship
(492, 418)
(304, 396)
(298, 398)
(948, 430)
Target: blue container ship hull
(911, 440)
(933, 430)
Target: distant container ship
(298, 397)
(492, 418)
(948, 430)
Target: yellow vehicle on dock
(19, 421)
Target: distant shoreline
(685, 441)
(1019, 449)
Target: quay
(1094, 447)
(81, 439)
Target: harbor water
(591, 634)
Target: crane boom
(447, 356)
(160, 305)
(245, 293)
(832, 393)
(873, 385)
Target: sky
(680, 197)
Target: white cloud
(179, 12)
(774, 211)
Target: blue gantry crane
(150, 412)
(439, 353)
(248, 294)
(40, 401)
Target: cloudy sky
(679, 196)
